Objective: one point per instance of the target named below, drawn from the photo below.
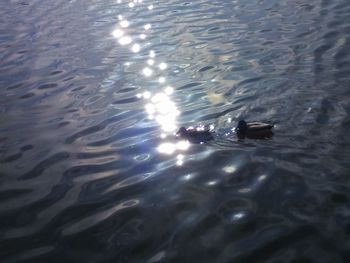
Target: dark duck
(195, 135)
(254, 130)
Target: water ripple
(93, 91)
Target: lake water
(92, 91)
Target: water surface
(92, 91)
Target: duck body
(195, 135)
(254, 130)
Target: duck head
(181, 132)
(241, 127)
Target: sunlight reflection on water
(158, 105)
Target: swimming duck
(195, 135)
(254, 130)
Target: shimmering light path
(158, 105)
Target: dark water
(91, 91)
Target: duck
(254, 130)
(195, 135)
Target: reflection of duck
(254, 130)
(193, 135)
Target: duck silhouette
(254, 130)
(195, 135)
